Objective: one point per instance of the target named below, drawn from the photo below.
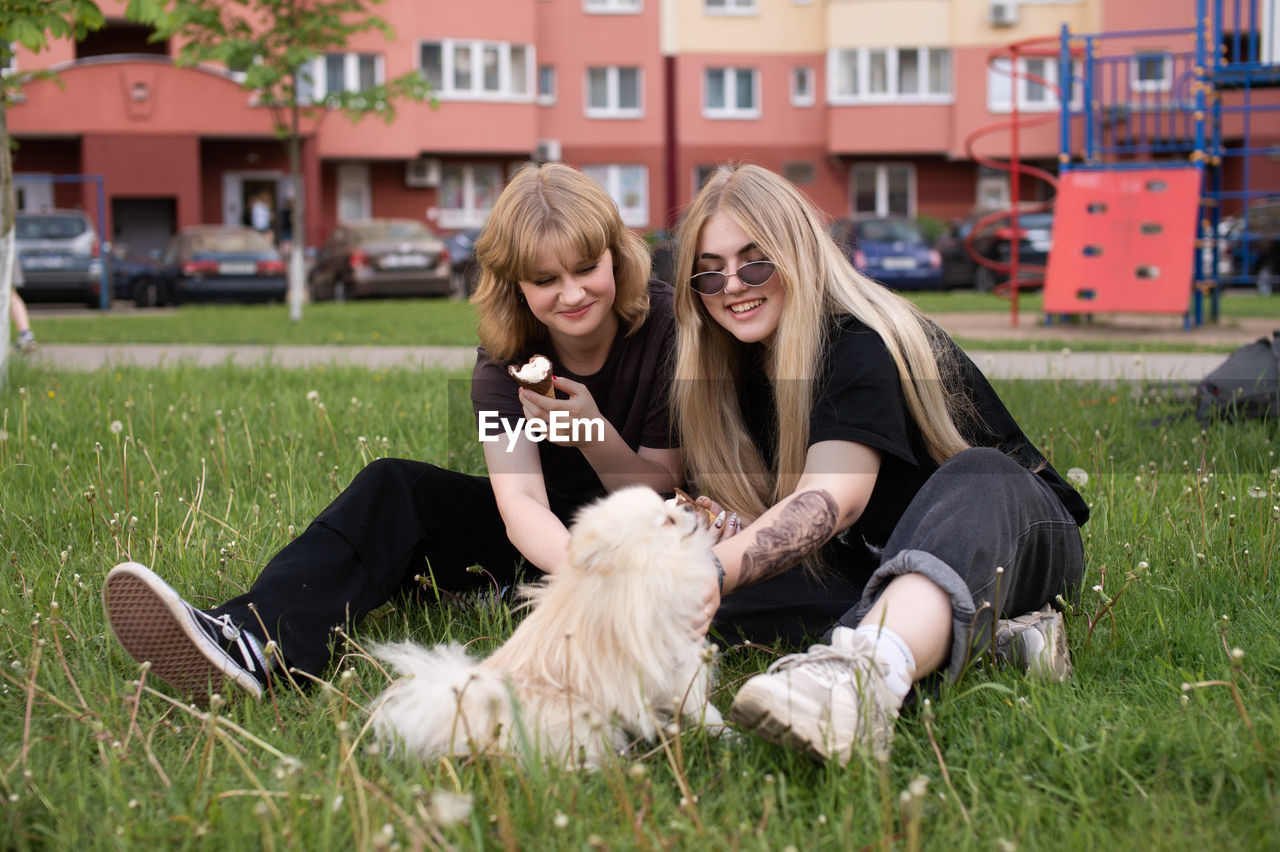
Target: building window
(335, 73)
(611, 7)
(802, 87)
(1151, 72)
(546, 84)
(477, 70)
(730, 7)
(613, 92)
(1033, 95)
(801, 172)
(9, 60)
(700, 175)
(628, 186)
(731, 93)
(467, 192)
(884, 190)
(992, 190)
(889, 74)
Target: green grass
(210, 472)
(1235, 303)
(392, 322)
(445, 322)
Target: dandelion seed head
(1078, 477)
(449, 808)
(561, 820)
(1237, 654)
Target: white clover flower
(1078, 477)
(448, 808)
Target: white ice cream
(537, 370)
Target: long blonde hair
(558, 206)
(820, 284)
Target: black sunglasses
(752, 274)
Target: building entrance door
(240, 189)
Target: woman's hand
(580, 406)
(727, 524)
(707, 612)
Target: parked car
(381, 257)
(892, 250)
(125, 268)
(993, 241)
(205, 263)
(1252, 255)
(59, 257)
(462, 261)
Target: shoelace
(831, 664)
(244, 642)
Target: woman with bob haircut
(878, 489)
(561, 276)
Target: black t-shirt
(861, 400)
(631, 389)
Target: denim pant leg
(397, 519)
(979, 512)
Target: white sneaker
(824, 702)
(1036, 642)
(188, 649)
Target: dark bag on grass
(1246, 385)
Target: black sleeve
(861, 400)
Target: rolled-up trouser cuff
(930, 566)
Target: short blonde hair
(557, 206)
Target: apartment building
(872, 106)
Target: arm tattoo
(806, 524)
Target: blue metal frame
(1184, 121)
(103, 242)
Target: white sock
(892, 650)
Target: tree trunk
(8, 204)
(297, 256)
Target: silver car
(59, 257)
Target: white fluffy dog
(607, 654)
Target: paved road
(1061, 364)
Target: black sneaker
(188, 649)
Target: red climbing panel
(1123, 240)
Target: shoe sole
(154, 625)
(750, 710)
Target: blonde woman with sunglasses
(874, 485)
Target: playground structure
(1158, 163)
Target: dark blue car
(893, 251)
(206, 263)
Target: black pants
(397, 519)
(979, 512)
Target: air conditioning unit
(422, 173)
(548, 151)
(1002, 13)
